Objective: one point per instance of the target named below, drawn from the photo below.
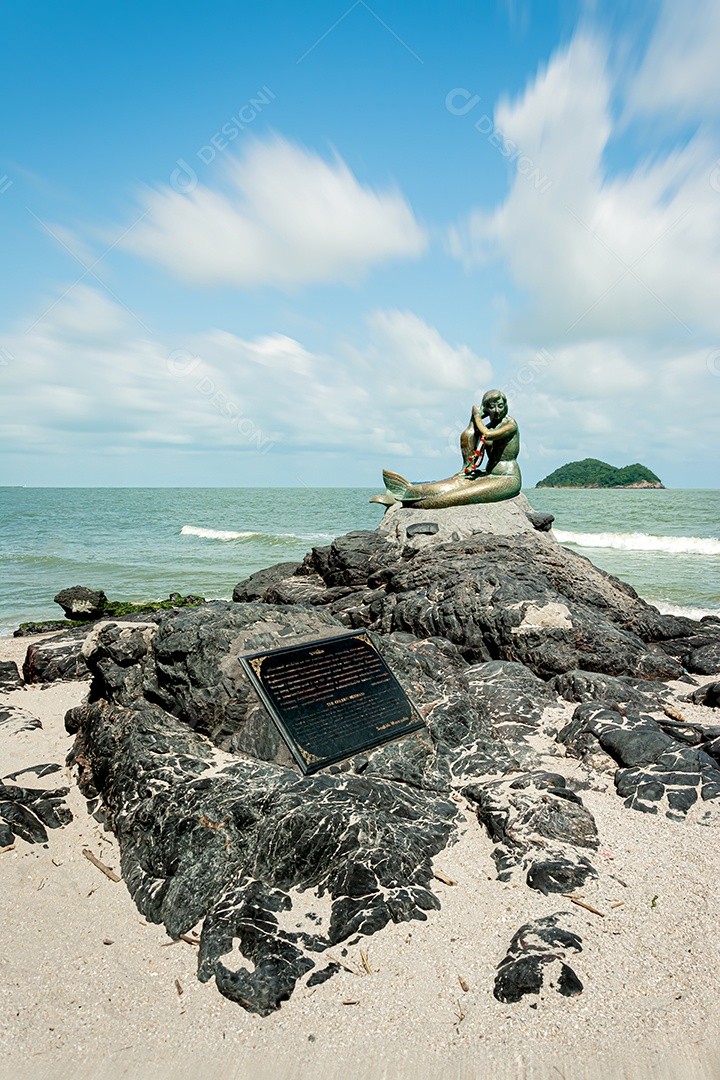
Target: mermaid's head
(494, 405)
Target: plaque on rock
(331, 698)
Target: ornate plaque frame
(331, 698)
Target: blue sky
(294, 244)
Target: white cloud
(679, 72)
(422, 355)
(423, 385)
(599, 256)
(622, 402)
(284, 216)
(75, 386)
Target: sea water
(143, 543)
(664, 542)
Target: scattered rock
(659, 771)
(539, 520)
(536, 820)
(322, 976)
(14, 720)
(538, 950)
(28, 812)
(81, 603)
(708, 695)
(10, 678)
(46, 769)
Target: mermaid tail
(396, 488)
(458, 490)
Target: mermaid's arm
(507, 428)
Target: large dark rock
(59, 657)
(679, 637)
(190, 666)
(255, 586)
(81, 603)
(522, 598)
(10, 678)
(622, 690)
(209, 835)
(539, 520)
(215, 822)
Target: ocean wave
(216, 534)
(273, 538)
(675, 545)
(679, 609)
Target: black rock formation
(205, 834)
(538, 825)
(14, 720)
(10, 678)
(215, 822)
(59, 657)
(540, 521)
(521, 597)
(703, 658)
(613, 690)
(254, 587)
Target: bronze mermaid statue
(498, 441)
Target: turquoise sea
(143, 543)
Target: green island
(591, 473)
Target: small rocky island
(591, 473)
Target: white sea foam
(675, 545)
(227, 534)
(679, 609)
(216, 534)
